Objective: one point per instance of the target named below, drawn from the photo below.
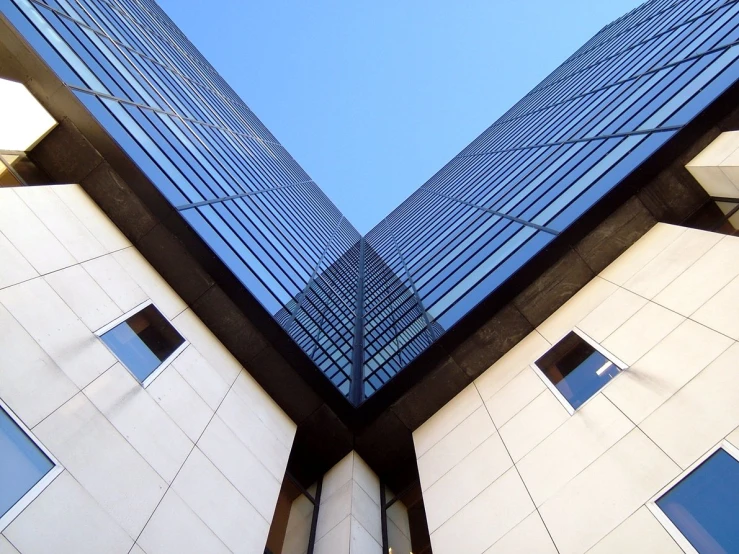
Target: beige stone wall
(398, 527)
(191, 463)
(349, 514)
(349, 518)
(716, 168)
(505, 468)
(297, 532)
(24, 120)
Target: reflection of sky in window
(132, 351)
(587, 379)
(22, 464)
(705, 505)
(656, 67)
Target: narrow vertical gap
(314, 519)
(383, 519)
(356, 390)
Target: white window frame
(161, 367)
(657, 512)
(38, 488)
(553, 388)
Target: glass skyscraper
(363, 307)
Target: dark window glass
(143, 341)
(18, 169)
(8, 177)
(22, 463)
(577, 369)
(704, 506)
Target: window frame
(553, 388)
(44, 482)
(662, 517)
(8, 167)
(162, 366)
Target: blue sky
(372, 98)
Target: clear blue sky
(372, 98)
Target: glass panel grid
(362, 308)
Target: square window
(144, 341)
(704, 505)
(576, 369)
(24, 468)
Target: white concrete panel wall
(349, 506)
(398, 526)
(504, 468)
(716, 168)
(349, 516)
(24, 119)
(193, 463)
(297, 532)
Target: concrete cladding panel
(25, 121)
(349, 518)
(191, 463)
(505, 466)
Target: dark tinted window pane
(577, 369)
(143, 341)
(22, 463)
(8, 178)
(22, 167)
(704, 506)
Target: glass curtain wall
(362, 308)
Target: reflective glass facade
(22, 464)
(367, 306)
(704, 506)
